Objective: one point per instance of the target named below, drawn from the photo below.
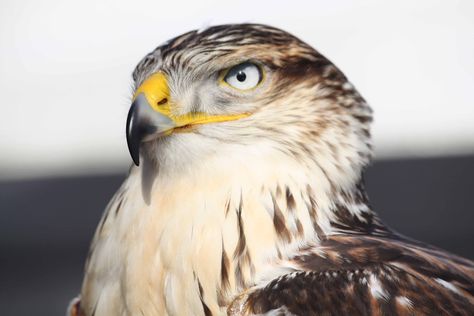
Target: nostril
(163, 101)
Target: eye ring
(243, 77)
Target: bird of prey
(248, 198)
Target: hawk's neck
(205, 237)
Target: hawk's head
(248, 90)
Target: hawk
(248, 198)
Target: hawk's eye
(244, 76)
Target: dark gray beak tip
(144, 123)
(133, 134)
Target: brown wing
(369, 275)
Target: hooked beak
(143, 124)
(151, 115)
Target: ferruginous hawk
(247, 197)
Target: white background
(65, 71)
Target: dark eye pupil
(241, 76)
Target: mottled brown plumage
(263, 214)
(336, 279)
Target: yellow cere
(156, 91)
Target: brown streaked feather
(241, 253)
(278, 222)
(207, 311)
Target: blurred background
(65, 86)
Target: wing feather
(367, 275)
